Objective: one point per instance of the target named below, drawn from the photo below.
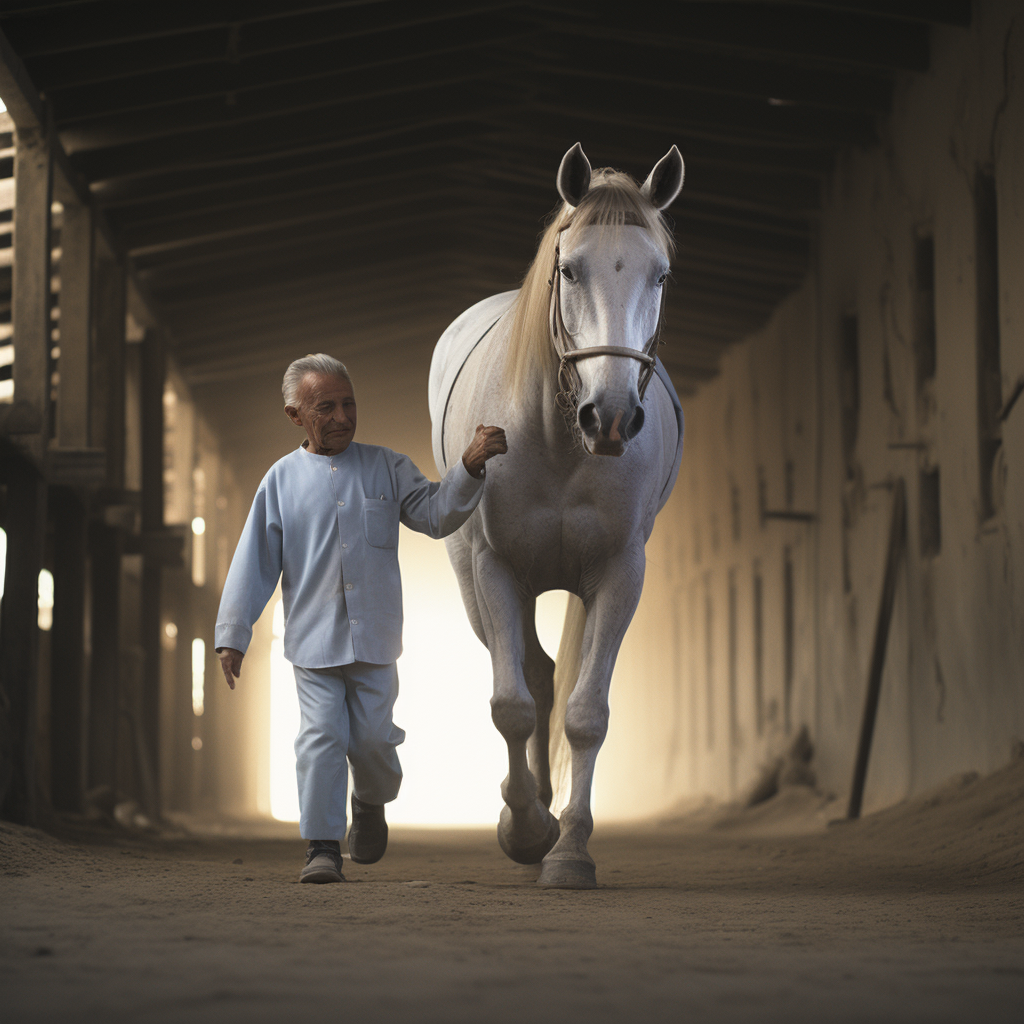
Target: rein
(569, 381)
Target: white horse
(563, 364)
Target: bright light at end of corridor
(453, 759)
(198, 675)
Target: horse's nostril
(636, 424)
(589, 421)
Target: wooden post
(107, 372)
(152, 401)
(106, 544)
(897, 543)
(26, 490)
(67, 650)
(19, 637)
(30, 312)
(76, 267)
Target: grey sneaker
(368, 836)
(323, 862)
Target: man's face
(327, 411)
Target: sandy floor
(916, 914)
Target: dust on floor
(768, 914)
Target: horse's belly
(554, 547)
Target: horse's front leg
(526, 829)
(539, 672)
(609, 611)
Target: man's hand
(486, 443)
(231, 664)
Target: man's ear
(293, 414)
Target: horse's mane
(614, 200)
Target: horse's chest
(553, 530)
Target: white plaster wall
(953, 690)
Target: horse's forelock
(614, 201)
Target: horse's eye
(663, 278)
(567, 273)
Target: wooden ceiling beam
(435, 81)
(103, 33)
(715, 115)
(937, 12)
(371, 124)
(590, 57)
(337, 154)
(379, 213)
(403, 53)
(775, 31)
(372, 174)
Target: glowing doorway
(453, 758)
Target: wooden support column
(30, 311)
(154, 371)
(107, 371)
(76, 272)
(26, 490)
(67, 678)
(106, 544)
(19, 638)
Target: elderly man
(325, 521)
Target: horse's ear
(573, 175)
(665, 181)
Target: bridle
(569, 382)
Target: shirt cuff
(228, 634)
(466, 485)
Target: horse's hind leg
(526, 830)
(539, 672)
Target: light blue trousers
(346, 720)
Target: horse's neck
(539, 406)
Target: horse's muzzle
(607, 429)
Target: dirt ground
(914, 914)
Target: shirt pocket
(380, 522)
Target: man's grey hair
(318, 363)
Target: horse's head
(611, 262)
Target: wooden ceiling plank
(338, 155)
(365, 177)
(276, 136)
(777, 31)
(398, 53)
(587, 57)
(956, 13)
(71, 54)
(378, 212)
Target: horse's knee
(586, 725)
(514, 716)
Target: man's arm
(251, 581)
(440, 509)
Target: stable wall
(820, 412)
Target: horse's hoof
(567, 874)
(529, 852)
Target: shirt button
(348, 586)
(344, 545)
(340, 503)
(334, 469)
(355, 622)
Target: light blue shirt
(327, 526)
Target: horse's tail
(567, 671)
